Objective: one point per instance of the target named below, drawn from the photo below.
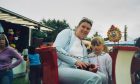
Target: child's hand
(97, 66)
(93, 68)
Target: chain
(78, 57)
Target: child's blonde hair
(99, 41)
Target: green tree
(88, 38)
(38, 37)
(57, 25)
(38, 34)
(96, 34)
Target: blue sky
(104, 13)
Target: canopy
(12, 17)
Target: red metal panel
(113, 54)
(49, 62)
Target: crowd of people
(75, 64)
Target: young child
(101, 58)
(35, 66)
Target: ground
(20, 80)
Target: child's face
(97, 48)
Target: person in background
(137, 55)
(137, 44)
(35, 66)
(71, 52)
(25, 53)
(7, 54)
(101, 58)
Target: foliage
(96, 34)
(57, 25)
(38, 34)
(20, 80)
(88, 38)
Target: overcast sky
(104, 13)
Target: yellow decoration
(13, 45)
(114, 34)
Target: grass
(20, 80)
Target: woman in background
(7, 54)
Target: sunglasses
(87, 19)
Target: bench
(49, 65)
